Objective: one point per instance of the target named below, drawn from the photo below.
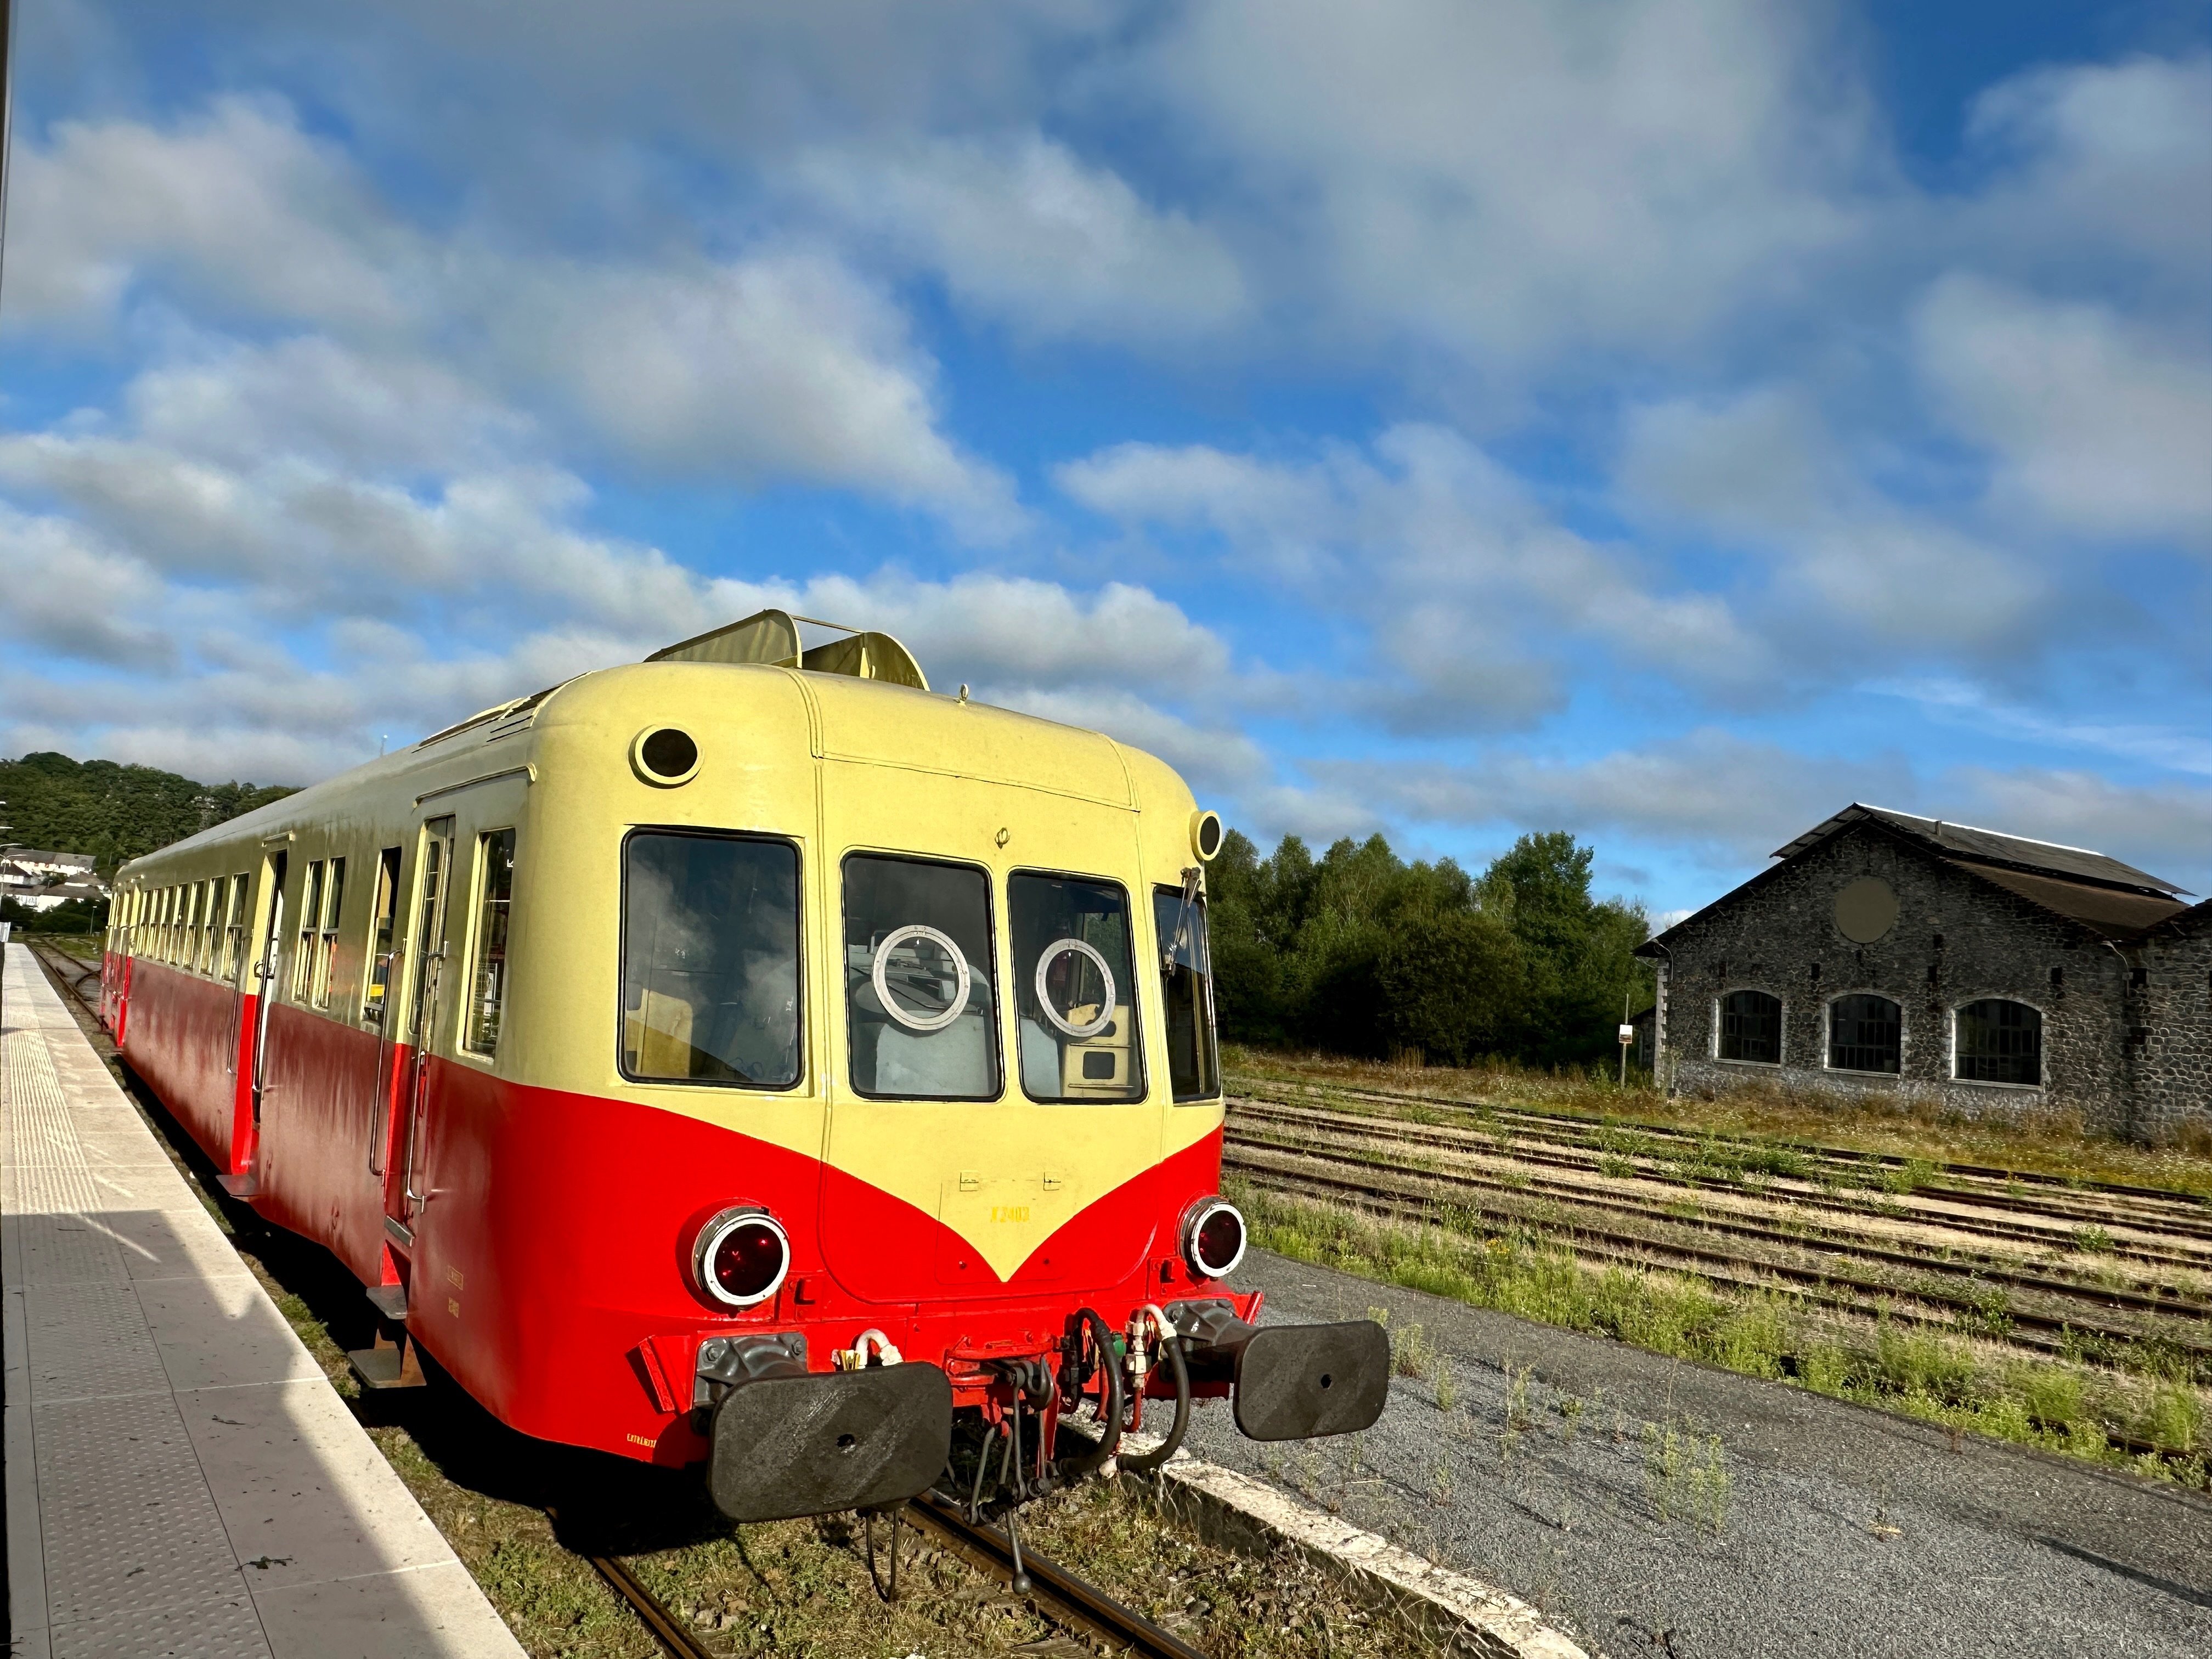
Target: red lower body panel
(549, 1271)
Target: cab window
(919, 980)
(1187, 994)
(710, 960)
(1074, 988)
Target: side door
(268, 974)
(414, 1040)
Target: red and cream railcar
(746, 1056)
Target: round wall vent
(665, 755)
(1866, 910)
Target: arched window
(1865, 1033)
(1999, 1042)
(1751, 1027)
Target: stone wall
(2172, 1038)
(1956, 939)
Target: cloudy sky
(1668, 420)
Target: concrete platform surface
(181, 1478)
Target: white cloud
(770, 365)
(1847, 569)
(1729, 799)
(2098, 165)
(2101, 424)
(1518, 180)
(1022, 228)
(237, 205)
(1441, 554)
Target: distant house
(46, 881)
(1886, 954)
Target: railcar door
(429, 936)
(266, 973)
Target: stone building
(1891, 955)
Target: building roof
(1962, 841)
(2114, 912)
(30, 855)
(2111, 899)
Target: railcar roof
(877, 720)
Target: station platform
(181, 1478)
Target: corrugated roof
(1964, 840)
(2114, 912)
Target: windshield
(1075, 987)
(920, 1002)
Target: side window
(1075, 986)
(235, 926)
(326, 944)
(311, 911)
(1187, 994)
(488, 970)
(1751, 1027)
(1865, 1033)
(920, 999)
(1999, 1042)
(218, 892)
(384, 916)
(710, 960)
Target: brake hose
(1109, 1404)
(1170, 1344)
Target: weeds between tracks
(1957, 1381)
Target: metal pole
(1626, 992)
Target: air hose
(1109, 1404)
(1170, 1344)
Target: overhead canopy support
(772, 637)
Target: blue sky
(1667, 422)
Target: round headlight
(741, 1257)
(665, 755)
(1213, 1238)
(1205, 834)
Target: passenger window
(234, 947)
(326, 945)
(487, 980)
(919, 997)
(1074, 989)
(385, 917)
(1187, 993)
(203, 946)
(311, 910)
(710, 960)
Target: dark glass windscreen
(710, 960)
(1078, 1030)
(925, 1027)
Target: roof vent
(771, 637)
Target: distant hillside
(112, 812)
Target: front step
(386, 1365)
(245, 1184)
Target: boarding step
(245, 1184)
(386, 1365)
(390, 1301)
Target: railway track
(2073, 1201)
(1066, 1600)
(1730, 1211)
(1318, 1155)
